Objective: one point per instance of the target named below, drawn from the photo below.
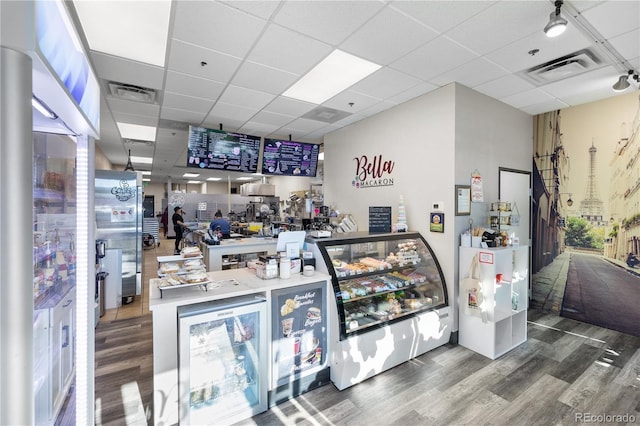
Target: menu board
(299, 331)
(217, 150)
(379, 219)
(289, 158)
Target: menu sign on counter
(289, 158)
(218, 150)
(379, 219)
(299, 331)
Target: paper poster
(476, 188)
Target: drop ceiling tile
(263, 78)
(387, 36)
(471, 74)
(273, 119)
(384, 83)
(342, 101)
(254, 128)
(376, 109)
(503, 87)
(287, 50)
(530, 97)
(434, 58)
(303, 126)
(628, 44)
(287, 106)
(261, 9)
(121, 117)
(329, 21)
(501, 24)
(216, 26)
(187, 103)
(186, 58)
(614, 18)
(317, 136)
(193, 86)
(413, 92)
(248, 98)
(213, 121)
(572, 90)
(134, 108)
(543, 107)
(441, 15)
(190, 117)
(234, 112)
(515, 56)
(122, 70)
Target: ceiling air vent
(129, 92)
(567, 66)
(138, 142)
(326, 115)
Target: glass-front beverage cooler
(223, 360)
(54, 271)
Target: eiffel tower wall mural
(586, 213)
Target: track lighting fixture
(557, 24)
(43, 108)
(623, 81)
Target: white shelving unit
(501, 322)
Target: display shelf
(382, 278)
(499, 324)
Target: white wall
(435, 142)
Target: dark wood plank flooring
(565, 370)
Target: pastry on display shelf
(196, 277)
(191, 252)
(169, 268)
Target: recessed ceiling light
(137, 132)
(213, 179)
(335, 73)
(193, 181)
(143, 27)
(145, 172)
(245, 178)
(143, 160)
(321, 156)
(146, 180)
(190, 175)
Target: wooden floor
(565, 372)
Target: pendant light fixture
(129, 166)
(557, 24)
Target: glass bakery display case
(381, 279)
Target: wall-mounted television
(289, 158)
(218, 150)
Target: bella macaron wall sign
(372, 171)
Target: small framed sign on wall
(463, 200)
(436, 222)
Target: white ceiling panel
(187, 59)
(255, 50)
(122, 70)
(614, 18)
(374, 41)
(501, 24)
(249, 98)
(287, 50)
(183, 116)
(216, 26)
(189, 85)
(287, 106)
(384, 83)
(187, 103)
(263, 78)
(515, 57)
(434, 58)
(261, 9)
(471, 74)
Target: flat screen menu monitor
(218, 150)
(289, 158)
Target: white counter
(213, 254)
(235, 282)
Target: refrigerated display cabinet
(390, 301)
